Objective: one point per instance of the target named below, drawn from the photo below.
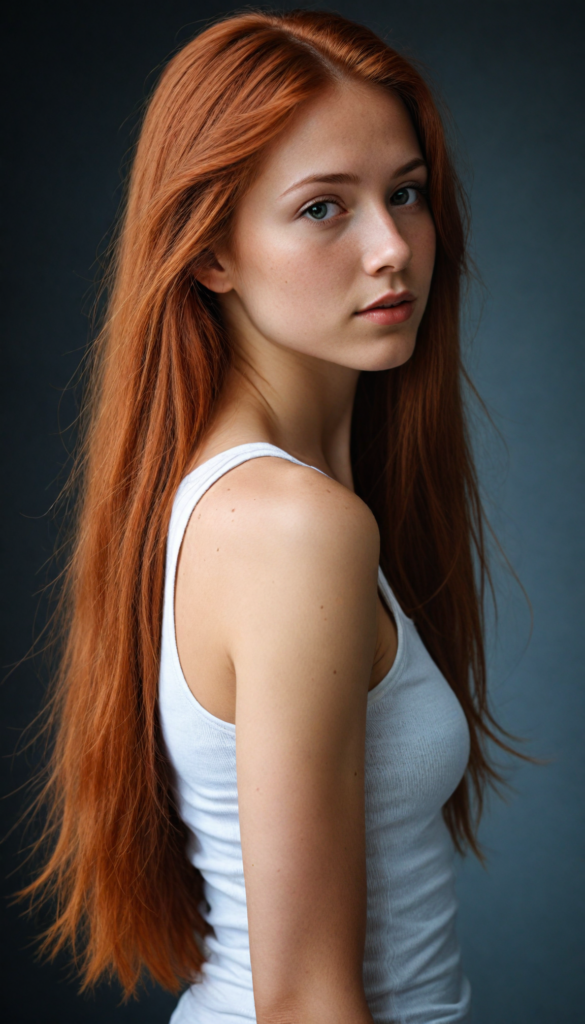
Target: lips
(388, 301)
(393, 307)
(389, 309)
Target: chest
(417, 738)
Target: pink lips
(389, 309)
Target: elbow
(323, 1007)
(277, 1015)
(277, 1009)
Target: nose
(385, 249)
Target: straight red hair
(116, 865)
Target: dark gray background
(511, 74)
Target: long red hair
(116, 863)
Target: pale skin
(280, 627)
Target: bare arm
(302, 613)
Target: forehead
(351, 127)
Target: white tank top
(417, 749)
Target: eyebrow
(349, 179)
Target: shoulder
(291, 572)
(272, 507)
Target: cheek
(296, 280)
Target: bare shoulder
(277, 579)
(269, 507)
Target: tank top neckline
(258, 449)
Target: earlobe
(214, 275)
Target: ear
(214, 275)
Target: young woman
(272, 712)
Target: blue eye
(406, 196)
(318, 211)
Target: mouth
(389, 309)
(388, 301)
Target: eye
(318, 211)
(407, 196)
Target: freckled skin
(296, 282)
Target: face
(333, 246)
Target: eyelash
(421, 189)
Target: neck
(294, 401)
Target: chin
(386, 353)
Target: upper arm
(302, 613)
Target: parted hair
(125, 896)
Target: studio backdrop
(510, 72)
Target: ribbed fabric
(417, 749)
